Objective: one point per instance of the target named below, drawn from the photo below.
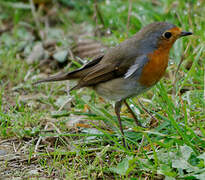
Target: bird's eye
(167, 35)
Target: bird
(128, 69)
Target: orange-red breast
(130, 68)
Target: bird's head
(161, 35)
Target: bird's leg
(133, 114)
(118, 106)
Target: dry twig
(98, 12)
(129, 14)
(145, 110)
(178, 67)
(36, 20)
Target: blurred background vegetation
(45, 132)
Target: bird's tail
(76, 74)
(59, 77)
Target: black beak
(184, 33)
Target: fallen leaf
(122, 167)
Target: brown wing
(76, 74)
(115, 63)
(102, 71)
(98, 73)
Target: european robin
(130, 68)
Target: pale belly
(119, 89)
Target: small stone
(3, 152)
(61, 56)
(33, 172)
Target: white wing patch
(139, 62)
(131, 70)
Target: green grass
(31, 123)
